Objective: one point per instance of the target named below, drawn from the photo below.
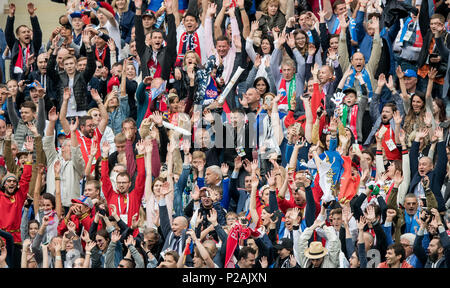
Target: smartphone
(424, 203)
(61, 41)
(27, 82)
(116, 88)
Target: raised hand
(390, 83)
(105, 149)
(30, 9)
(29, 144)
(115, 236)
(422, 134)
(439, 133)
(130, 241)
(57, 168)
(398, 178)
(32, 128)
(254, 165)
(134, 221)
(212, 8)
(73, 125)
(237, 163)
(12, 9)
(212, 217)
(140, 146)
(399, 72)
(338, 98)
(432, 73)
(66, 95)
(361, 223)
(254, 26)
(370, 213)
(290, 40)
(390, 214)
(381, 80)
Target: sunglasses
(121, 266)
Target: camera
(102, 211)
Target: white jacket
(71, 171)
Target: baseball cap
(410, 73)
(76, 14)
(149, 13)
(350, 90)
(285, 243)
(61, 132)
(84, 200)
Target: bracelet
(88, 253)
(241, 9)
(58, 258)
(57, 178)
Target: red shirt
(129, 203)
(11, 206)
(85, 144)
(404, 265)
(390, 155)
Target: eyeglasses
(123, 182)
(99, 67)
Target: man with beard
(439, 247)
(28, 44)
(127, 203)
(88, 134)
(386, 120)
(12, 198)
(156, 60)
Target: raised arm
(63, 112)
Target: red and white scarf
(101, 58)
(287, 94)
(18, 67)
(188, 42)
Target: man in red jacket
(80, 214)
(127, 203)
(12, 198)
(395, 257)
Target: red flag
(349, 184)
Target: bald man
(358, 63)
(250, 101)
(174, 234)
(425, 167)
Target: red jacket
(404, 265)
(11, 207)
(134, 198)
(85, 221)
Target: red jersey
(128, 204)
(11, 206)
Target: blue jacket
(125, 24)
(436, 176)
(365, 41)
(142, 103)
(117, 116)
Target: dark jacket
(166, 55)
(13, 43)
(80, 82)
(125, 24)
(424, 24)
(436, 176)
(419, 251)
